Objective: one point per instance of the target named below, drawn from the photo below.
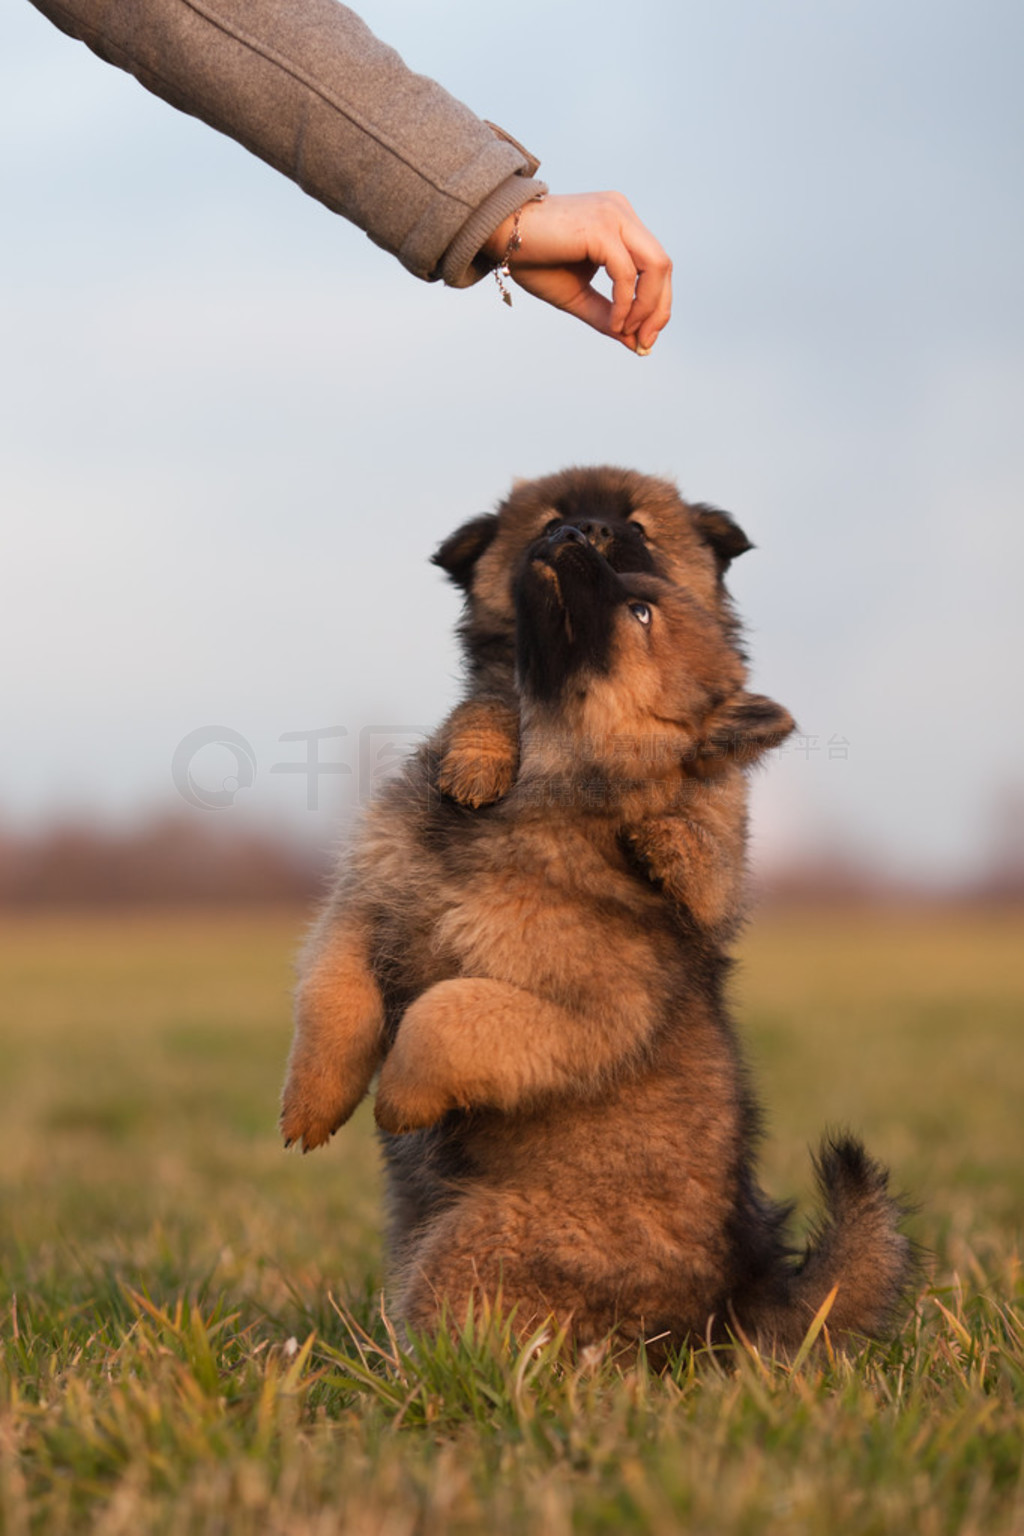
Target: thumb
(569, 289)
(597, 311)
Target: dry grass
(189, 1336)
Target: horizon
(234, 430)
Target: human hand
(565, 240)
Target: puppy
(566, 1119)
(694, 847)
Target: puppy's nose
(567, 534)
(598, 534)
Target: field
(190, 1332)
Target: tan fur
(657, 506)
(698, 849)
(478, 744)
(339, 1021)
(480, 747)
(565, 1114)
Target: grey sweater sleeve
(305, 85)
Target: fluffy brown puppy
(565, 1117)
(694, 847)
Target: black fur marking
(565, 631)
(626, 551)
(596, 501)
(459, 553)
(761, 1253)
(620, 542)
(751, 725)
(426, 1169)
(722, 533)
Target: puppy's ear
(462, 549)
(723, 533)
(743, 728)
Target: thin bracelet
(503, 272)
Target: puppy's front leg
(475, 1043)
(695, 849)
(696, 852)
(338, 1041)
(479, 752)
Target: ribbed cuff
(459, 267)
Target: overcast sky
(232, 430)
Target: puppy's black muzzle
(564, 619)
(568, 533)
(619, 542)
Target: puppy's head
(631, 669)
(637, 522)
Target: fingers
(567, 239)
(570, 289)
(651, 309)
(641, 304)
(650, 306)
(597, 311)
(638, 267)
(623, 276)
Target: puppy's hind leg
(468, 1263)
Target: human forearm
(307, 87)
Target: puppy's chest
(547, 918)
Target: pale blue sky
(232, 430)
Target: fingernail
(643, 351)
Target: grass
(190, 1331)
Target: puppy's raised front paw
(404, 1106)
(414, 1090)
(477, 773)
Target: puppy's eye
(641, 612)
(549, 528)
(641, 530)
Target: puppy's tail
(855, 1248)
